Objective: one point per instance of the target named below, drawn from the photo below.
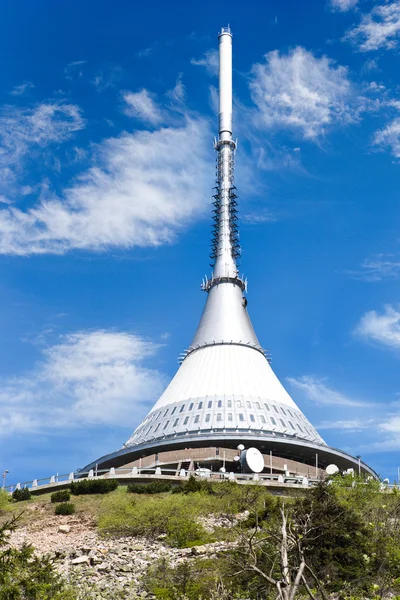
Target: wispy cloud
(259, 217)
(86, 379)
(142, 105)
(209, 60)
(388, 138)
(383, 328)
(316, 390)
(23, 130)
(342, 5)
(301, 92)
(139, 192)
(19, 90)
(74, 69)
(383, 266)
(378, 29)
(347, 425)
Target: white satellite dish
(240, 447)
(332, 469)
(252, 460)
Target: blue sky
(107, 118)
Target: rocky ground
(104, 568)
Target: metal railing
(123, 474)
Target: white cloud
(383, 328)
(316, 390)
(389, 138)
(383, 266)
(19, 90)
(378, 29)
(259, 217)
(24, 130)
(140, 191)
(347, 425)
(141, 105)
(88, 378)
(301, 92)
(210, 61)
(342, 5)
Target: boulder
(64, 528)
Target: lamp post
(359, 464)
(4, 478)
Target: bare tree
(275, 553)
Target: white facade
(225, 382)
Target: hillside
(218, 541)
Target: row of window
(219, 418)
(257, 405)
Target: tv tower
(225, 392)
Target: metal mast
(225, 243)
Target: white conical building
(225, 391)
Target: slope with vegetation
(206, 540)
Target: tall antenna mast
(225, 248)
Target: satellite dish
(332, 469)
(236, 458)
(222, 470)
(240, 447)
(252, 460)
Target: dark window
(219, 417)
(166, 425)
(182, 408)
(283, 410)
(273, 421)
(166, 412)
(197, 418)
(241, 417)
(175, 422)
(266, 406)
(200, 405)
(275, 409)
(173, 410)
(283, 422)
(208, 418)
(258, 405)
(248, 404)
(209, 403)
(230, 417)
(191, 406)
(229, 403)
(219, 403)
(158, 426)
(262, 418)
(291, 424)
(186, 420)
(252, 419)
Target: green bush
(60, 496)
(20, 495)
(4, 499)
(152, 516)
(65, 508)
(153, 487)
(93, 486)
(26, 576)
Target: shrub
(93, 486)
(25, 575)
(60, 496)
(20, 495)
(149, 516)
(65, 508)
(4, 499)
(153, 487)
(196, 485)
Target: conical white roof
(225, 382)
